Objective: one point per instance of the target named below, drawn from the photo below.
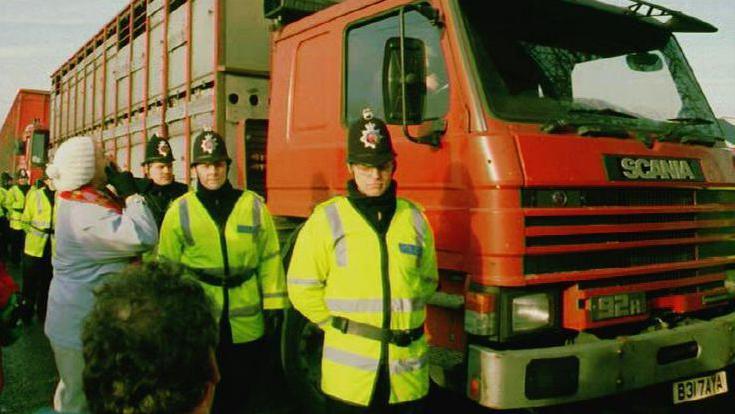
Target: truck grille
(597, 239)
(570, 230)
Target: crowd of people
(156, 298)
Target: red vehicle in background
(24, 137)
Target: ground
(30, 374)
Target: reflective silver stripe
(407, 365)
(338, 234)
(373, 305)
(184, 221)
(305, 282)
(324, 321)
(352, 360)
(256, 215)
(40, 224)
(251, 310)
(419, 226)
(275, 295)
(37, 232)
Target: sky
(37, 36)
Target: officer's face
(22, 181)
(212, 175)
(371, 180)
(162, 173)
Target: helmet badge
(370, 136)
(163, 148)
(209, 143)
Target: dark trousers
(37, 274)
(4, 238)
(239, 368)
(379, 401)
(17, 241)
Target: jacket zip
(385, 284)
(384, 357)
(226, 264)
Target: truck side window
(364, 65)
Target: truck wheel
(301, 350)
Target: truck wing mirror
(644, 62)
(404, 83)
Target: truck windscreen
(544, 60)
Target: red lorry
(24, 137)
(573, 172)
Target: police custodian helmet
(21, 173)
(157, 149)
(209, 147)
(368, 141)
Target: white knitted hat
(73, 165)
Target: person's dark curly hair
(148, 342)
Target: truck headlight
(530, 312)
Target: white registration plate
(700, 388)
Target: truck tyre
(301, 350)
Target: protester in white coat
(97, 234)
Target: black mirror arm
(433, 138)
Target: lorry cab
(573, 172)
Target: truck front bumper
(550, 376)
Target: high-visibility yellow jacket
(3, 196)
(37, 222)
(14, 203)
(246, 249)
(342, 267)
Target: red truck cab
(573, 172)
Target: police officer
(14, 204)
(228, 239)
(159, 187)
(5, 183)
(362, 269)
(37, 270)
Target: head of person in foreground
(149, 344)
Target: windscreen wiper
(691, 120)
(602, 111)
(685, 133)
(583, 128)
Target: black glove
(272, 319)
(123, 181)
